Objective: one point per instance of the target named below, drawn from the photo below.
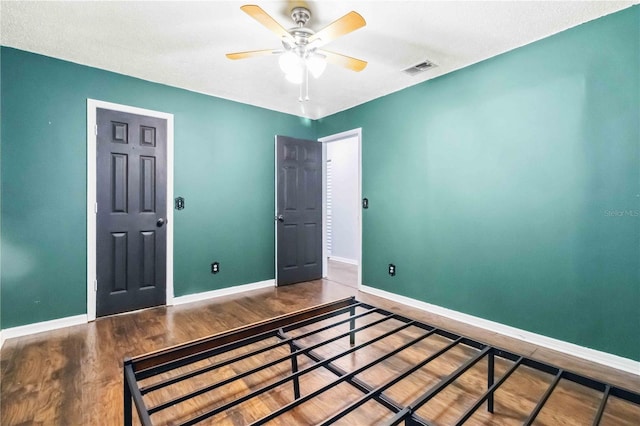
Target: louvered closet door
(131, 212)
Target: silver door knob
(280, 218)
(160, 222)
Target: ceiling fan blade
(251, 54)
(348, 23)
(257, 13)
(344, 61)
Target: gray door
(299, 210)
(131, 212)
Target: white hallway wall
(344, 158)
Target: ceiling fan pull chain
(300, 95)
(306, 81)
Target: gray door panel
(299, 205)
(131, 194)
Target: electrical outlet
(392, 269)
(215, 267)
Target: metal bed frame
(169, 360)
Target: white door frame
(92, 106)
(333, 138)
(275, 211)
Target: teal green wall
(509, 190)
(223, 168)
(492, 188)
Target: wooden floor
(73, 376)
(342, 273)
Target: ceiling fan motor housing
(300, 33)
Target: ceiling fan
(302, 51)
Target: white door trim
(92, 106)
(275, 210)
(333, 138)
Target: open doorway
(342, 217)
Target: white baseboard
(189, 298)
(40, 327)
(604, 358)
(344, 260)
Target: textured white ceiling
(183, 43)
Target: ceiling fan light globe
(316, 65)
(289, 62)
(294, 77)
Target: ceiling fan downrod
(300, 16)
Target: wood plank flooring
(342, 273)
(73, 376)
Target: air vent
(421, 67)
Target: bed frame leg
(294, 369)
(352, 326)
(128, 417)
(490, 378)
